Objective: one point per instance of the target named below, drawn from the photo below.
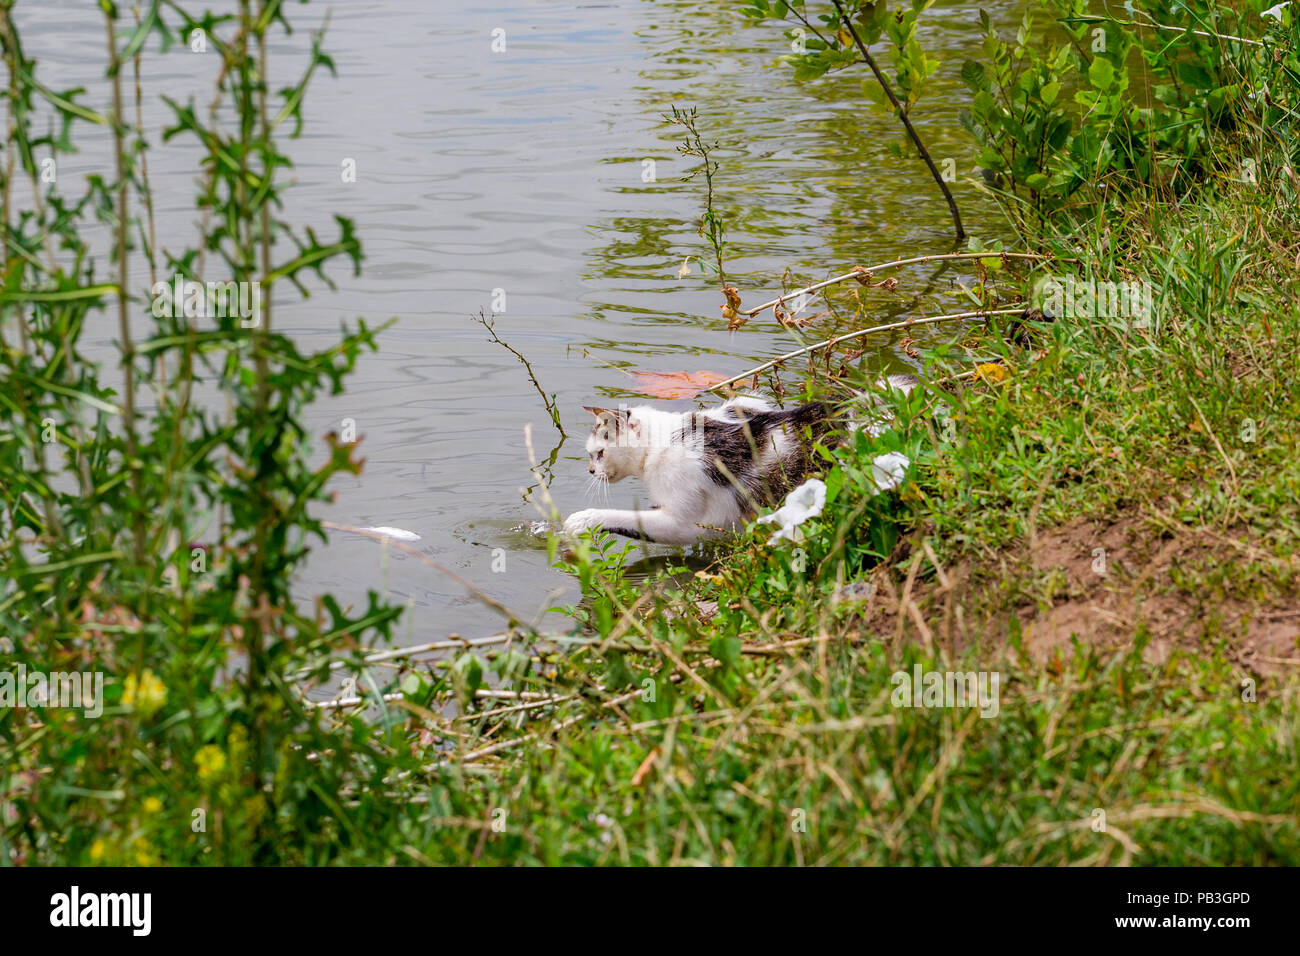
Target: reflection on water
(519, 176)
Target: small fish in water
(397, 534)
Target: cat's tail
(818, 413)
(813, 414)
(876, 418)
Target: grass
(742, 714)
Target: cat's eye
(600, 454)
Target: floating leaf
(676, 384)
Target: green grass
(805, 761)
(772, 739)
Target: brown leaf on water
(676, 384)
(864, 277)
(732, 295)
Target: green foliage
(770, 737)
(1099, 103)
(148, 536)
(732, 707)
(822, 42)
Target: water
(518, 175)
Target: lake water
(519, 176)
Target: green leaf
(974, 75)
(1101, 74)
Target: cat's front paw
(581, 521)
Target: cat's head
(614, 449)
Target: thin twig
(450, 644)
(858, 271)
(551, 407)
(529, 738)
(924, 320)
(1159, 26)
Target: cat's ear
(617, 414)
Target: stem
(123, 292)
(13, 59)
(490, 325)
(147, 193)
(859, 272)
(902, 115)
(905, 323)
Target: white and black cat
(703, 471)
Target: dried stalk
(858, 272)
(924, 320)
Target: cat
(704, 471)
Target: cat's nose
(591, 469)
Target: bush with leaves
(1086, 103)
(146, 535)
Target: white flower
(1275, 12)
(806, 501)
(887, 470)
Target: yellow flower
(152, 805)
(144, 855)
(992, 372)
(211, 762)
(146, 695)
(97, 850)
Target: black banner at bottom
(127, 906)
